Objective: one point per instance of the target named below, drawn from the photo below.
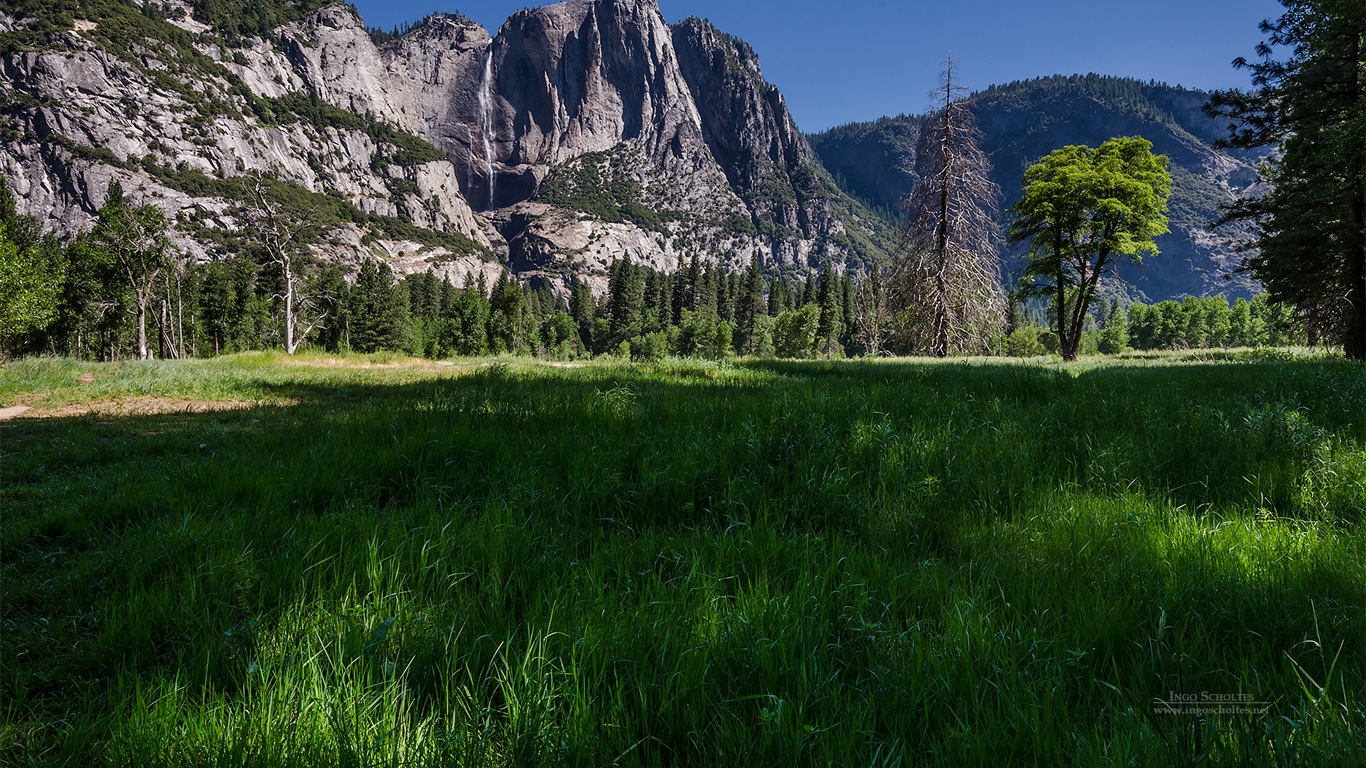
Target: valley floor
(265, 561)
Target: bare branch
(945, 282)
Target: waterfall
(486, 119)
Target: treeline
(1192, 323)
(120, 291)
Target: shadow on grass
(842, 516)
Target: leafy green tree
(512, 326)
(252, 313)
(216, 304)
(1283, 325)
(703, 335)
(467, 324)
(1083, 209)
(651, 346)
(794, 332)
(1140, 326)
(762, 337)
(560, 336)
(32, 273)
(1242, 332)
(1027, 341)
(135, 239)
(1172, 325)
(1310, 104)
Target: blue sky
(837, 62)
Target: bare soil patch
(135, 406)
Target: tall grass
(687, 564)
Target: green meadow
(263, 561)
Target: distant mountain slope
(1023, 121)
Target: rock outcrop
(177, 118)
(583, 132)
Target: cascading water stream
(486, 120)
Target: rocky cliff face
(1022, 122)
(160, 106)
(590, 130)
(583, 132)
(748, 129)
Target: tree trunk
(1354, 343)
(1062, 302)
(941, 331)
(143, 352)
(180, 318)
(289, 308)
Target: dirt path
(8, 413)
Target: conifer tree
(626, 300)
(334, 299)
(1114, 337)
(831, 324)
(1310, 227)
(707, 292)
(946, 283)
(379, 310)
(779, 296)
(583, 308)
(686, 286)
(512, 325)
(809, 289)
(750, 307)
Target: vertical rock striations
(584, 131)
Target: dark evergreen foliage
(379, 310)
(1311, 104)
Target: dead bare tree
(283, 238)
(945, 283)
(870, 308)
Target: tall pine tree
(1311, 105)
